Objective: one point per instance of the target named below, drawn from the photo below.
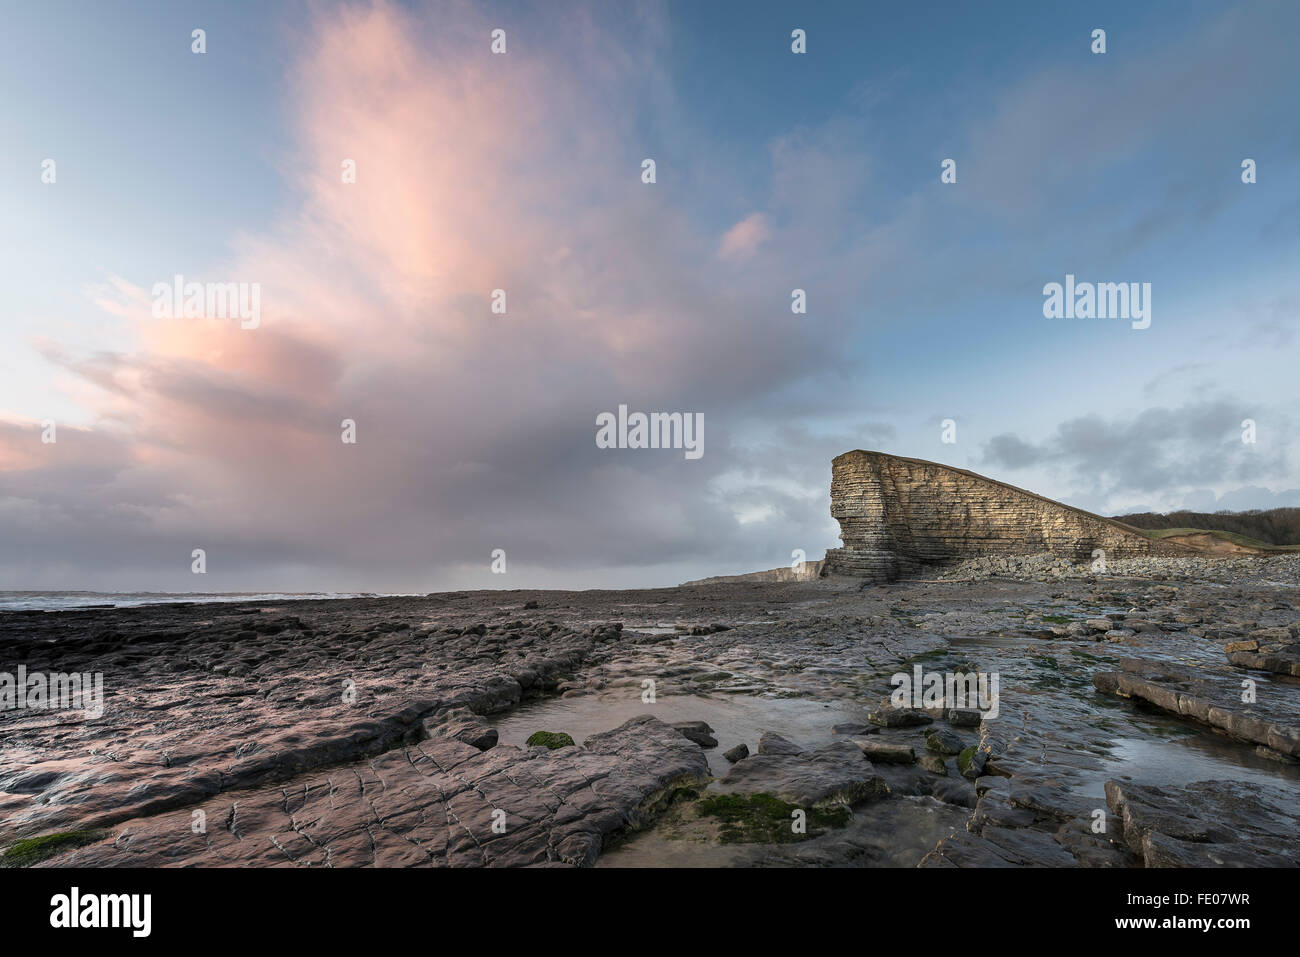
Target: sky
(522, 171)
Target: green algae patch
(549, 739)
(931, 655)
(33, 850)
(964, 759)
(765, 819)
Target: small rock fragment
(697, 731)
(738, 753)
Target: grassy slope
(1234, 538)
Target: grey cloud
(1155, 450)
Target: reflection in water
(1180, 760)
(735, 719)
(892, 833)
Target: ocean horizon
(37, 600)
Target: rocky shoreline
(377, 732)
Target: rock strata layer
(1212, 698)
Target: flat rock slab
(1212, 698)
(836, 773)
(440, 803)
(1208, 824)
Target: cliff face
(809, 572)
(898, 514)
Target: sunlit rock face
(898, 514)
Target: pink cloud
(743, 239)
(473, 172)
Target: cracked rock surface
(438, 803)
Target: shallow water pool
(734, 718)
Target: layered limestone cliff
(898, 514)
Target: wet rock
(953, 791)
(943, 741)
(738, 753)
(833, 774)
(1212, 698)
(1018, 825)
(477, 735)
(999, 847)
(963, 717)
(769, 743)
(853, 730)
(1207, 824)
(971, 762)
(697, 731)
(887, 716)
(935, 764)
(885, 753)
(1278, 756)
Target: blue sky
(925, 298)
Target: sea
(65, 600)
